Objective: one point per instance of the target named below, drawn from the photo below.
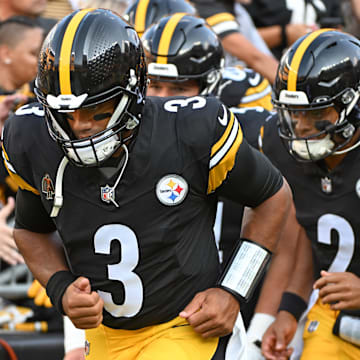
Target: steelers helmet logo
(171, 190)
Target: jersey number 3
(123, 270)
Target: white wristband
(245, 269)
(73, 337)
(258, 325)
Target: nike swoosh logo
(224, 120)
(253, 81)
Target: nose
(81, 124)
(302, 126)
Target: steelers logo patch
(171, 190)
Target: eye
(69, 116)
(102, 116)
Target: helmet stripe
(140, 16)
(299, 53)
(165, 40)
(65, 52)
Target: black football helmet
(89, 57)
(183, 47)
(320, 70)
(143, 13)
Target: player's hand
(278, 336)
(8, 248)
(37, 292)
(341, 290)
(295, 31)
(75, 354)
(83, 306)
(212, 313)
(8, 103)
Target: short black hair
(12, 29)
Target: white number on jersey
(123, 270)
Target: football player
(132, 186)
(143, 13)
(193, 66)
(317, 96)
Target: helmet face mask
(104, 61)
(320, 71)
(191, 52)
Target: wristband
(347, 327)
(284, 39)
(244, 270)
(293, 304)
(56, 287)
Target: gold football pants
(320, 342)
(174, 340)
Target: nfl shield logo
(326, 185)
(107, 194)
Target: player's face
(24, 56)
(90, 121)
(309, 122)
(29, 7)
(167, 88)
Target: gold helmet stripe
(166, 37)
(140, 16)
(299, 53)
(65, 52)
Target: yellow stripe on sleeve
(20, 182)
(218, 18)
(219, 172)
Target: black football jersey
(149, 256)
(244, 87)
(219, 14)
(327, 202)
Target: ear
(5, 55)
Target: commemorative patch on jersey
(47, 187)
(171, 190)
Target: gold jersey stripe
(20, 182)
(140, 16)
(299, 53)
(218, 18)
(219, 173)
(224, 137)
(65, 52)
(166, 37)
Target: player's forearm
(302, 278)
(264, 223)
(43, 253)
(281, 267)
(272, 35)
(238, 46)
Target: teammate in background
(31, 9)
(141, 14)
(220, 15)
(317, 96)
(166, 162)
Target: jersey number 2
(123, 270)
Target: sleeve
(243, 87)
(219, 16)
(30, 213)
(236, 170)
